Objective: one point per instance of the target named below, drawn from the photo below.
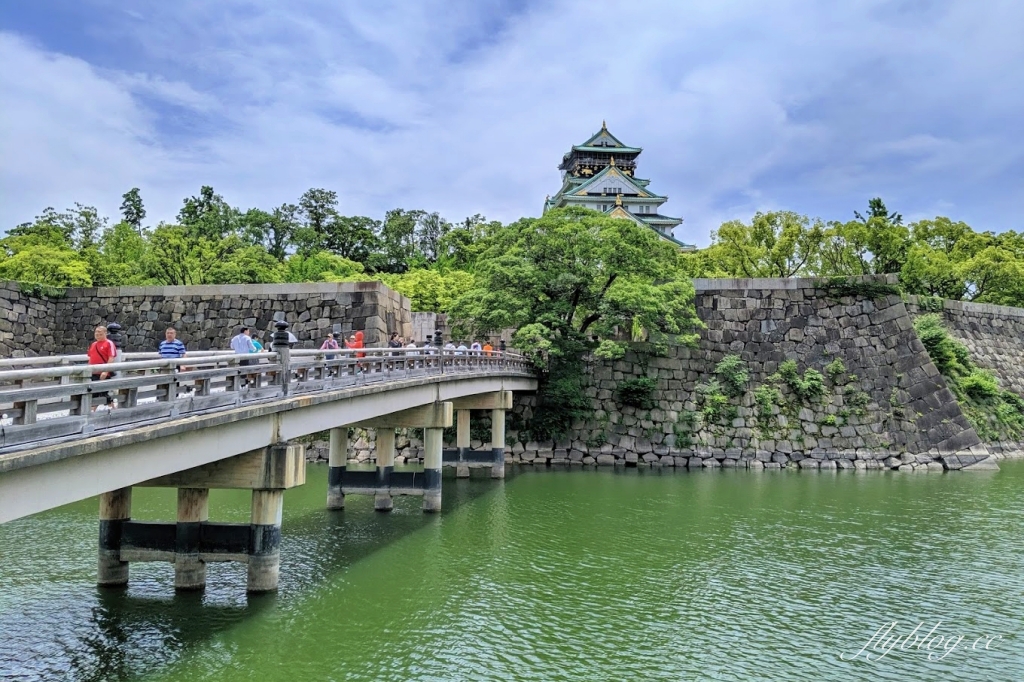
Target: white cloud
(467, 108)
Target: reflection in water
(549, 575)
(121, 634)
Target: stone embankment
(785, 374)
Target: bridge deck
(173, 415)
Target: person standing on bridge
(171, 347)
(329, 344)
(101, 352)
(243, 345)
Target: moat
(596, 574)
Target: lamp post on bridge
(283, 347)
(114, 334)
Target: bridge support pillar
(337, 459)
(498, 443)
(462, 442)
(115, 511)
(265, 540)
(193, 511)
(432, 443)
(382, 500)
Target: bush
(835, 370)
(733, 374)
(808, 387)
(766, 397)
(949, 355)
(980, 384)
(638, 392)
(715, 401)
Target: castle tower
(599, 174)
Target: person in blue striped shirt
(171, 347)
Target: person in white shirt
(476, 348)
(243, 345)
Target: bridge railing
(59, 396)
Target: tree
(132, 209)
(430, 290)
(431, 230)
(123, 252)
(317, 208)
(458, 249)
(208, 216)
(46, 265)
(775, 244)
(321, 266)
(877, 209)
(568, 282)
(398, 237)
(353, 237)
(273, 231)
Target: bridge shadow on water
(125, 634)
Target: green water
(552, 575)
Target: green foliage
(41, 290)
(46, 265)
(949, 355)
(980, 384)
(995, 413)
(940, 257)
(829, 420)
(733, 375)
(932, 304)
(132, 209)
(320, 266)
(766, 397)
(637, 392)
(715, 403)
(808, 387)
(608, 349)
(775, 244)
(839, 287)
(835, 370)
(568, 281)
(430, 290)
(858, 401)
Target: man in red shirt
(101, 352)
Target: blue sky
(466, 106)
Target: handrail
(59, 400)
(82, 358)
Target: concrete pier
(115, 511)
(498, 443)
(337, 459)
(265, 540)
(193, 511)
(462, 442)
(432, 443)
(382, 500)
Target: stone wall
(28, 324)
(205, 316)
(888, 407)
(994, 335)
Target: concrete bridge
(221, 420)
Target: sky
(467, 106)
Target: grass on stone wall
(996, 413)
(637, 392)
